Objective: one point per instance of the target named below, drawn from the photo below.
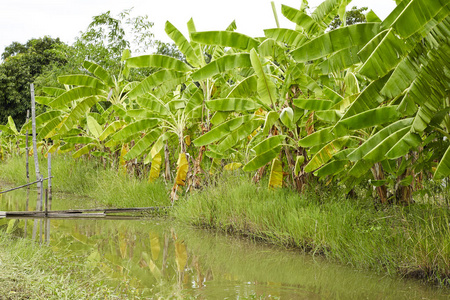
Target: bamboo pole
(49, 165)
(27, 150)
(48, 199)
(35, 156)
(47, 220)
(46, 202)
(22, 186)
(40, 231)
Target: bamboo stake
(35, 156)
(49, 164)
(48, 199)
(27, 150)
(47, 231)
(40, 232)
(46, 202)
(47, 221)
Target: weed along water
(156, 258)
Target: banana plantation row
(361, 103)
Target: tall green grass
(410, 241)
(30, 271)
(86, 177)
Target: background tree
(169, 50)
(353, 16)
(22, 64)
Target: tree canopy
(22, 64)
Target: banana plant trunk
(403, 193)
(378, 174)
(167, 176)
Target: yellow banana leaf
(155, 168)
(276, 174)
(122, 162)
(182, 169)
(187, 140)
(254, 133)
(232, 166)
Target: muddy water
(163, 259)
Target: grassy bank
(30, 271)
(87, 178)
(409, 241)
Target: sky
(21, 20)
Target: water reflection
(162, 259)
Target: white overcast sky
(21, 20)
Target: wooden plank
(77, 216)
(77, 213)
(110, 210)
(90, 215)
(41, 214)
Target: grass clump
(30, 271)
(89, 178)
(410, 241)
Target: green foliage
(353, 16)
(22, 64)
(339, 104)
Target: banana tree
(405, 64)
(263, 83)
(77, 115)
(10, 139)
(173, 101)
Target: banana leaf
(443, 168)
(142, 144)
(158, 61)
(222, 64)
(226, 39)
(276, 174)
(221, 131)
(183, 44)
(379, 137)
(232, 104)
(133, 128)
(336, 40)
(265, 86)
(98, 71)
(82, 80)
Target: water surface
(164, 259)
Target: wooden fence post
(27, 150)
(35, 156)
(49, 165)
